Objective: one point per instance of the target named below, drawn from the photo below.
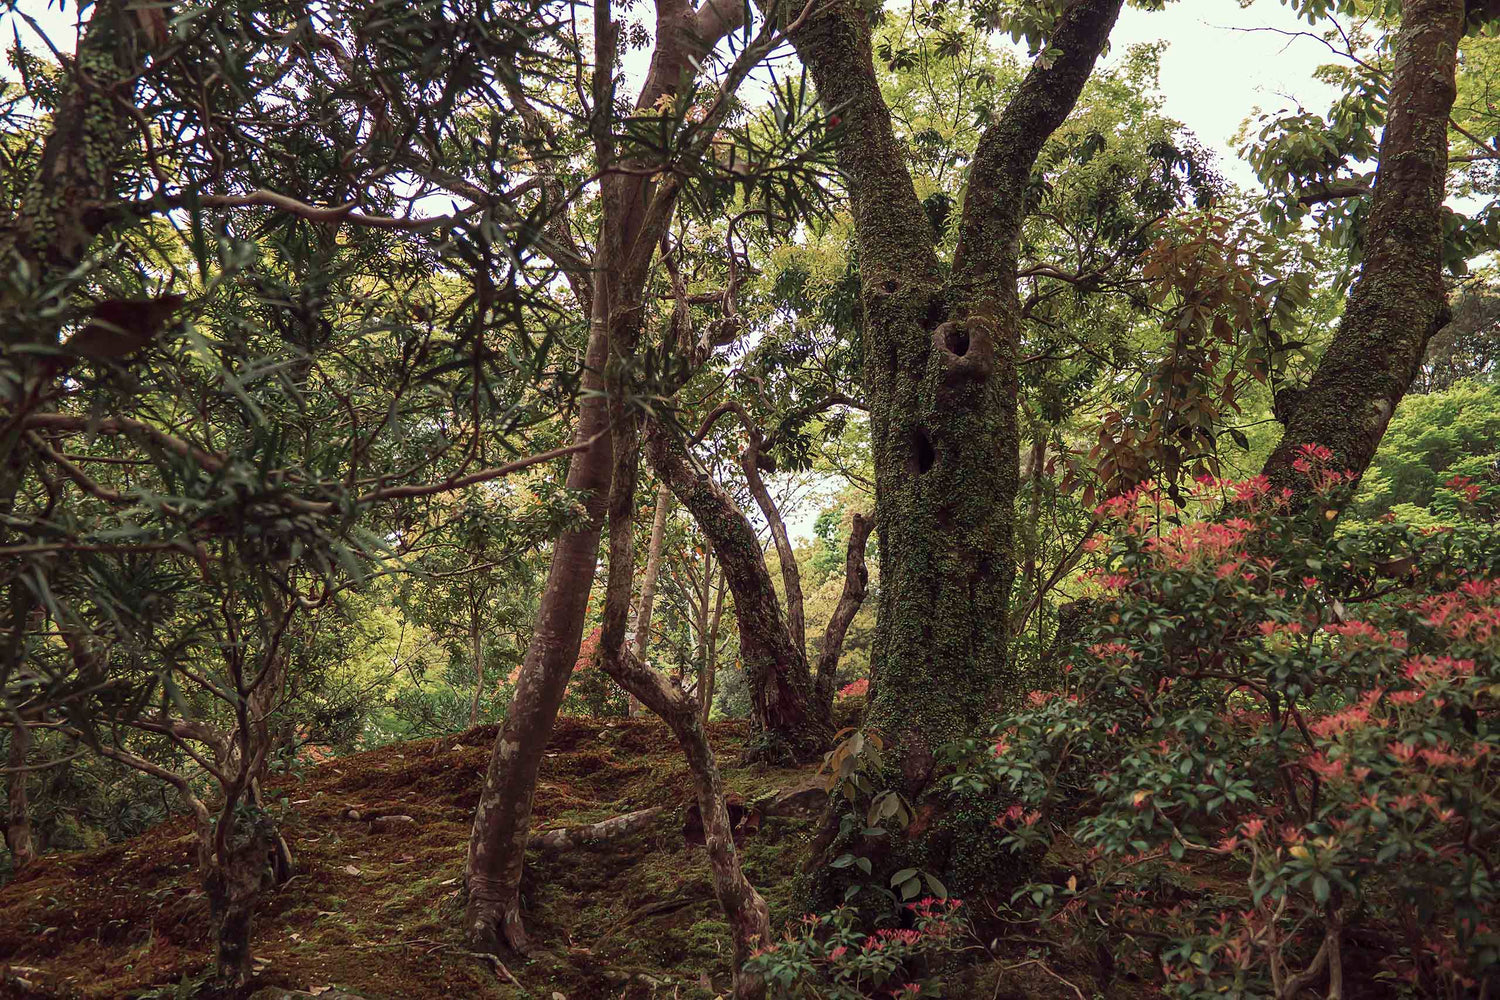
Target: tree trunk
(497, 841)
(940, 378)
(710, 669)
(791, 576)
(745, 911)
(648, 583)
(856, 585)
(1398, 302)
(783, 702)
(476, 650)
(635, 216)
(18, 820)
(240, 870)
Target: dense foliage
(1316, 712)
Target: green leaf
(902, 876)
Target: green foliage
(1431, 439)
(828, 956)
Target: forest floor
(376, 914)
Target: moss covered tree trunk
(784, 706)
(1398, 301)
(940, 379)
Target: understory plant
(1270, 767)
(828, 957)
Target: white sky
(1216, 71)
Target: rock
(804, 800)
(389, 824)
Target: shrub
(827, 957)
(1313, 714)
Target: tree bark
(856, 586)
(648, 582)
(614, 828)
(497, 841)
(791, 576)
(1398, 301)
(940, 378)
(18, 819)
(781, 688)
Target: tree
(1398, 302)
(940, 374)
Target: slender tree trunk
(746, 912)
(476, 650)
(710, 669)
(781, 687)
(636, 215)
(940, 378)
(791, 576)
(856, 586)
(1398, 301)
(648, 583)
(497, 842)
(18, 821)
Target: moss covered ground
(375, 913)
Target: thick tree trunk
(783, 701)
(1398, 302)
(940, 378)
(856, 586)
(18, 818)
(240, 870)
(648, 582)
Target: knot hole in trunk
(921, 455)
(966, 349)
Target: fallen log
(572, 837)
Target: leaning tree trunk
(1398, 301)
(710, 669)
(940, 378)
(784, 705)
(856, 586)
(744, 909)
(497, 841)
(635, 217)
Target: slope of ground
(374, 913)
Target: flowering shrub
(827, 957)
(1316, 716)
(855, 689)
